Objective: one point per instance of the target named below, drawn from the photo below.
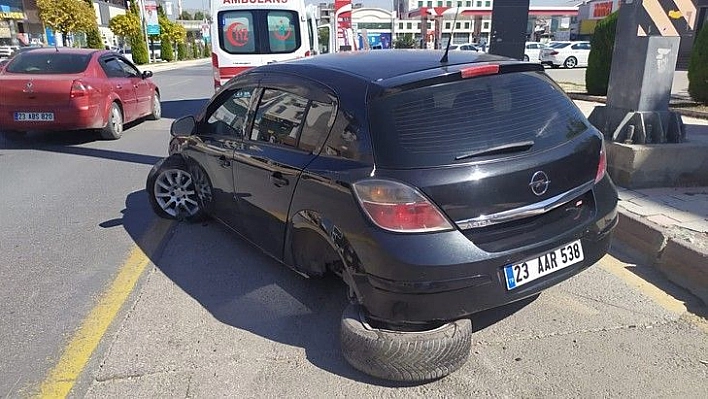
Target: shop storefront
(12, 23)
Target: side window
(113, 68)
(229, 119)
(279, 117)
(317, 124)
(128, 69)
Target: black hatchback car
(435, 189)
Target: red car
(57, 89)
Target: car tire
(175, 193)
(404, 356)
(156, 112)
(570, 62)
(114, 127)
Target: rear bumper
(69, 117)
(442, 277)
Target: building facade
(465, 21)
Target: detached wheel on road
(570, 62)
(114, 127)
(404, 356)
(176, 191)
(156, 107)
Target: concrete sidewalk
(668, 226)
(166, 66)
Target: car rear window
(443, 124)
(41, 63)
(558, 45)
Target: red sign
(601, 10)
(237, 34)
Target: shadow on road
(242, 287)
(180, 108)
(642, 268)
(70, 143)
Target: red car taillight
(554, 52)
(397, 207)
(79, 89)
(602, 164)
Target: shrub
(167, 53)
(698, 67)
(182, 51)
(139, 49)
(207, 51)
(597, 75)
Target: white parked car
(465, 47)
(532, 51)
(565, 54)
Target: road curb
(681, 262)
(601, 99)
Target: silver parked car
(565, 54)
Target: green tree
(185, 16)
(602, 44)
(405, 41)
(67, 16)
(698, 67)
(323, 37)
(199, 16)
(166, 33)
(131, 28)
(182, 53)
(93, 35)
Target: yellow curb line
(63, 376)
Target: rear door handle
(278, 179)
(223, 162)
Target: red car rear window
(42, 63)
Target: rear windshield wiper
(500, 149)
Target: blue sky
(204, 4)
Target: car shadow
(70, 143)
(242, 287)
(179, 108)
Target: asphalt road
(212, 316)
(71, 209)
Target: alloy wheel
(175, 193)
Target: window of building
(487, 3)
(467, 25)
(409, 25)
(447, 25)
(479, 4)
(485, 25)
(468, 4)
(420, 4)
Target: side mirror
(147, 74)
(183, 126)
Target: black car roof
(378, 65)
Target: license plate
(532, 269)
(34, 116)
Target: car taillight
(554, 52)
(397, 207)
(79, 89)
(602, 164)
(307, 53)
